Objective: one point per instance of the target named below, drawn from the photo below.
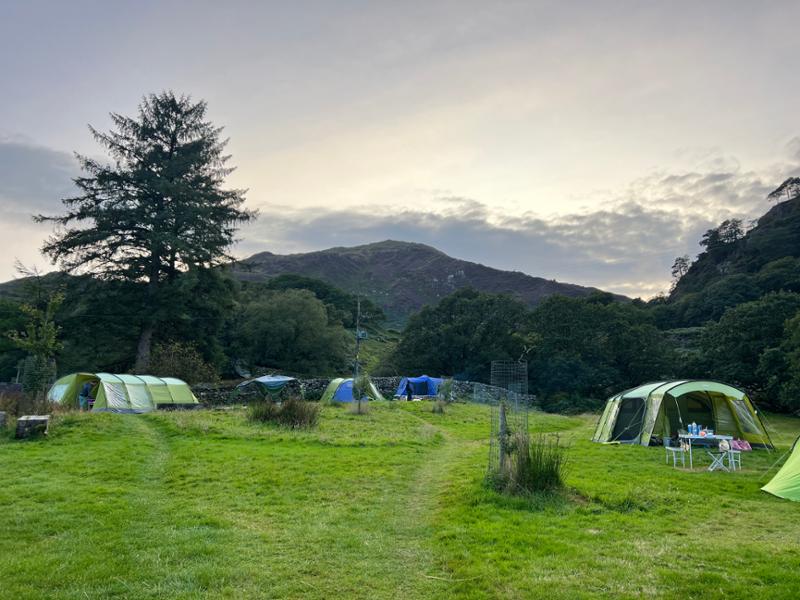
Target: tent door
(629, 420)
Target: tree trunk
(143, 349)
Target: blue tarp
(420, 386)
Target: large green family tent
(654, 411)
(786, 483)
(124, 393)
(341, 390)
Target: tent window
(629, 420)
(746, 418)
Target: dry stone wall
(313, 388)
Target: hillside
(776, 236)
(401, 277)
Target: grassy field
(385, 505)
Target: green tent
(786, 483)
(658, 410)
(123, 393)
(341, 390)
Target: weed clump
(530, 465)
(292, 413)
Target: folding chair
(735, 459)
(718, 458)
(675, 452)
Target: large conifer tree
(158, 208)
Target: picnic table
(692, 438)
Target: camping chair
(675, 452)
(718, 458)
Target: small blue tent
(420, 386)
(341, 390)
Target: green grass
(390, 504)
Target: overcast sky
(589, 142)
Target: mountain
(402, 277)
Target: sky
(588, 142)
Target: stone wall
(312, 389)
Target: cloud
(33, 179)
(626, 245)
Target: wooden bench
(32, 425)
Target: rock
(32, 425)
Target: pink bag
(740, 445)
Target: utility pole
(360, 335)
(358, 338)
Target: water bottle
(693, 428)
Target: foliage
(361, 390)
(462, 334)
(445, 392)
(11, 319)
(181, 360)
(589, 349)
(293, 413)
(289, 331)
(733, 347)
(340, 304)
(40, 341)
(157, 209)
(788, 190)
(779, 368)
(40, 337)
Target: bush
(183, 361)
(531, 465)
(16, 404)
(361, 389)
(445, 393)
(439, 406)
(293, 413)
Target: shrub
(361, 389)
(439, 406)
(176, 359)
(445, 393)
(531, 465)
(16, 404)
(293, 413)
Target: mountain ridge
(402, 277)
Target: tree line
(144, 287)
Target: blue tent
(420, 386)
(341, 390)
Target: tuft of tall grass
(531, 465)
(293, 413)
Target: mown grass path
(385, 505)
